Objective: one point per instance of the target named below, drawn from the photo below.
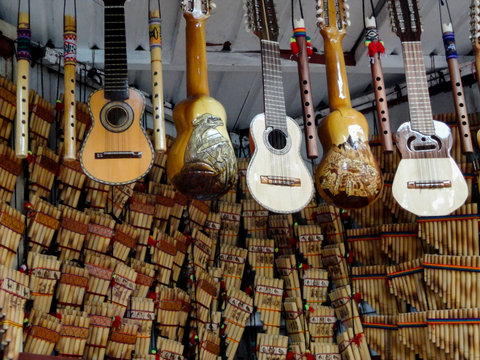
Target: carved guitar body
(428, 182)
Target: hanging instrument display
(475, 35)
(155, 36)
(276, 175)
(348, 175)
(427, 182)
(23, 66)
(201, 163)
(375, 49)
(116, 149)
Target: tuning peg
(320, 20)
(347, 14)
(346, 6)
(213, 5)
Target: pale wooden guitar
(276, 176)
(428, 182)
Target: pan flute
(163, 254)
(72, 286)
(295, 319)
(180, 202)
(158, 167)
(352, 345)
(242, 164)
(413, 333)
(181, 244)
(10, 168)
(345, 311)
(315, 286)
(44, 271)
(309, 244)
(209, 345)
(373, 215)
(8, 108)
(100, 231)
(100, 270)
(231, 195)
(122, 288)
(328, 217)
(43, 221)
(122, 340)
(118, 197)
(201, 249)
(43, 333)
(287, 268)
(280, 230)
(43, 169)
(71, 178)
(96, 195)
(198, 213)
(232, 261)
(386, 195)
(261, 253)
(172, 312)
(400, 242)
(41, 119)
(100, 315)
(204, 292)
(268, 300)
(321, 323)
(124, 241)
(72, 232)
(142, 310)
(309, 213)
(163, 208)
(169, 349)
(230, 216)
(216, 274)
(255, 219)
(333, 257)
(325, 351)
(12, 226)
(145, 277)
(74, 333)
(366, 244)
(142, 209)
(272, 347)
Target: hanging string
(293, 12)
(363, 12)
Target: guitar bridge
(431, 184)
(280, 180)
(118, 155)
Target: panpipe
(8, 108)
(44, 271)
(172, 312)
(100, 315)
(100, 231)
(23, 66)
(328, 217)
(73, 334)
(216, 274)
(272, 347)
(309, 244)
(145, 277)
(209, 346)
(352, 346)
(141, 218)
(231, 195)
(14, 292)
(287, 268)
(12, 226)
(413, 333)
(42, 333)
(456, 279)
(268, 300)
(456, 152)
(169, 349)
(230, 214)
(124, 241)
(297, 351)
(371, 282)
(315, 286)
(43, 221)
(72, 232)
(83, 120)
(100, 270)
(402, 215)
(201, 249)
(309, 214)
(232, 261)
(121, 288)
(212, 230)
(43, 170)
(381, 333)
(455, 332)
(365, 245)
(321, 323)
(142, 311)
(71, 178)
(180, 202)
(198, 213)
(97, 193)
(345, 311)
(181, 244)
(71, 286)
(162, 255)
(163, 207)
(261, 254)
(10, 168)
(280, 230)
(373, 215)
(255, 219)
(400, 242)
(157, 172)
(122, 340)
(333, 257)
(69, 63)
(455, 234)
(204, 292)
(42, 116)
(295, 319)
(242, 165)
(325, 351)
(214, 322)
(118, 197)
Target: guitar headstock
(261, 19)
(333, 15)
(198, 9)
(405, 18)
(475, 23)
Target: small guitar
(116, 149)
(348, 175)
(276, 175)
(428, 182)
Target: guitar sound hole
(116, 116)
(277, 139)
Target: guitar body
(428, 182)
(278, 179)
(201, 163)
(348, 174)
(117, 134)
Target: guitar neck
(197, 73)
(273, 96)
(417, 87)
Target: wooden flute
(69, 61)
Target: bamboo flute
(182, 245)
(41, 118)
(315, 286)
(366, 244)
(118, 197)
(121, 288)
(348, 348)
(163, 254)
(163, 207)
(294, 320)
(172, 312)
(71, 178)
(309, 214)
(180, 203)
(321, 323)
(43, 333)
(328, 217)
(8, 107)
(209, 346)
(325, 351)
(72, 286)
(201, 249)
(198, 213)
(400, 242)
(345, 312)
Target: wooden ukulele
(348, 175)
(201, 163)
(428, 182)
(116, 149)
(276, 175)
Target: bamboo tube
(70, 62)
(73, 334)
(325, 351)
(308, 214)
(212, 230)
(10, 169)
(237, 312)
(333, 257)
(43, 221)
(286, 266)
(172, 312)
(118, 197)
(320, 323)
(41, 118)
(346, 312)
(8, 107)
(145, 277)
(299, 350)
(180, 202)
(181, 244)
(216, 274)
(160, 161)
(279, 229)
(315, 286)
(230, 214)
(328, 217)
(123, 241)
(255, 219)
(164, 203)
(348, 348)
(203, 292)
(100, 270)
(169, 349)
(100, 315)
(122, 340)
(71, 178)
(163, 254)
(142, 310)
(309, 244)
(201, 249)
(43, 334)
(12, 226)
(400, 242)
(72, 286)
(242, 164)
(271, 347)
(198, 213)
(366, 244)
(44, 271)
(122, 288)
(209, 345)
(232, 261)
(398, 212)
(142, 209)
(268, 300)
(100, 231)
(294, 319)
(96, 194)
(261, 253)
(72, 232)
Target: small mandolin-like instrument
(201, 163)
(428, 182)
(348, 175)
(116, 149)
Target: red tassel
(293, 242)
(294, 47)
(249, 290)
(357, 339)
(23, 269)
(188, 240)
(117, 321)
(357, 297)
(375, 47)
(305, 266)
(290, 356)
(351, 257)
(28, 206)
(311, 309)
(314, 215)
(151, 241)
(222, 329)
(157, 357)
(59, 107)
(309, 356)
(30, 157)
(58, 316)
(309, 47)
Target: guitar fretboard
(116, 72)
(273, 96)
(417, 86)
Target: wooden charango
(348, 175)
(201, 163)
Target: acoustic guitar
(428, 182)
(276, 175)
(116, 149)
(348, 175)
(201, 163)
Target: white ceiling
(235, 76)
